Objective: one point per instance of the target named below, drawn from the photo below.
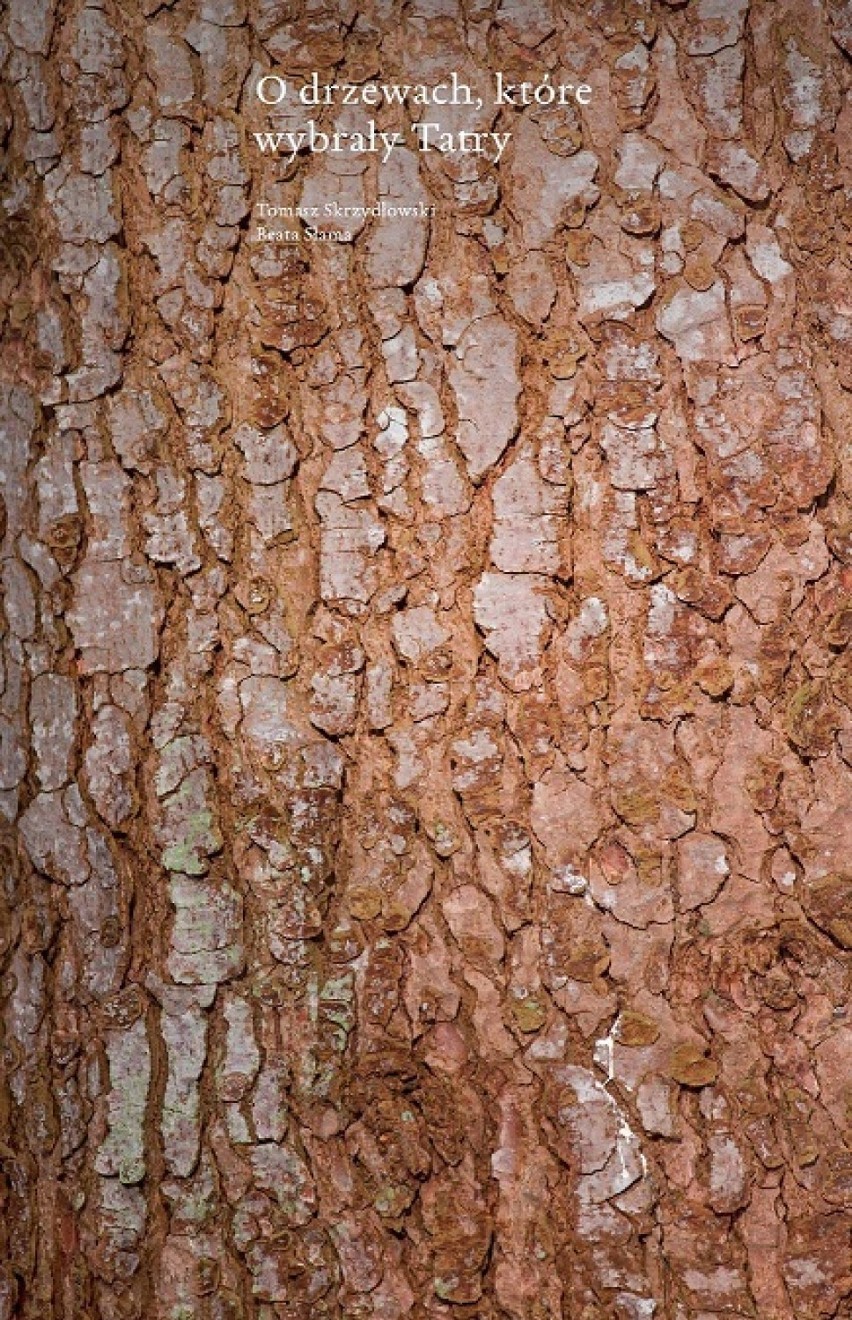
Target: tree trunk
(424, 712)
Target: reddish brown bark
(425, 705)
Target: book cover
(425, 727)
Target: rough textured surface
(425, 703)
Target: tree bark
(425, 706)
